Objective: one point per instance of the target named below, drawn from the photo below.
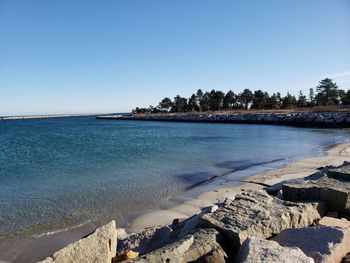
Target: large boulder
(201, 245)
(255, 250)
(342, 172)
(146, 241)
(256, 213)
(189, 224)
(324, 244)
(334, 222)
(100, 246)
(334, 192)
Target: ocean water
(57, 173)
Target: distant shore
(47, 116)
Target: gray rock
(334, 192)
(334, 222)
(199, 245)
(100, 247)
(323, 244)
(342, 173)
(147, 240)
(191, 222)
(255, 250)
(275, 188)
(214, 256)
(255, 213)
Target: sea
(60, 173)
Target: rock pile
(304, 119)
(253, 227)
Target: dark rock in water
(323, 244)
(260, 250)
(201, 245)
(334, 192)
(256, 213)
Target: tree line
(327, 93)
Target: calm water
(55, 173)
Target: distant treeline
(327, 93)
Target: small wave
(240, 168)
(49, 233)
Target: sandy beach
(181, 206)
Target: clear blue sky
(110, 56)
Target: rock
(324, 244)
(342, 173)
(121, 233)
(100, 246)
(255, 213)
(321, 119)
(275, 188)
(334, 192)
(191, 222)
(255, 250)
(199, 245)
(146, 241)
(214, 256)
(334, 222)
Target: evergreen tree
(216, 100)
(345, 97)
(302, 102)
(259, 99)
(229, 100)
(165, 105)
(199, 96)
(312, 101)
(327, 92)
(288, 101)
(180, 104)
(205, 102)
(245, 98)
(272, 102)
(192, 103)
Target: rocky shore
(293, 220)
(300, 119)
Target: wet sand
(181, 206)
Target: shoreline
(186, 204)
(173, 208)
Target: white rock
(100, 246)
(324, 244)
(256, 250)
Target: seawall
(300, 119)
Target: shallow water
(57, 173)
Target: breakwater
(301, 119)
(28, 117)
